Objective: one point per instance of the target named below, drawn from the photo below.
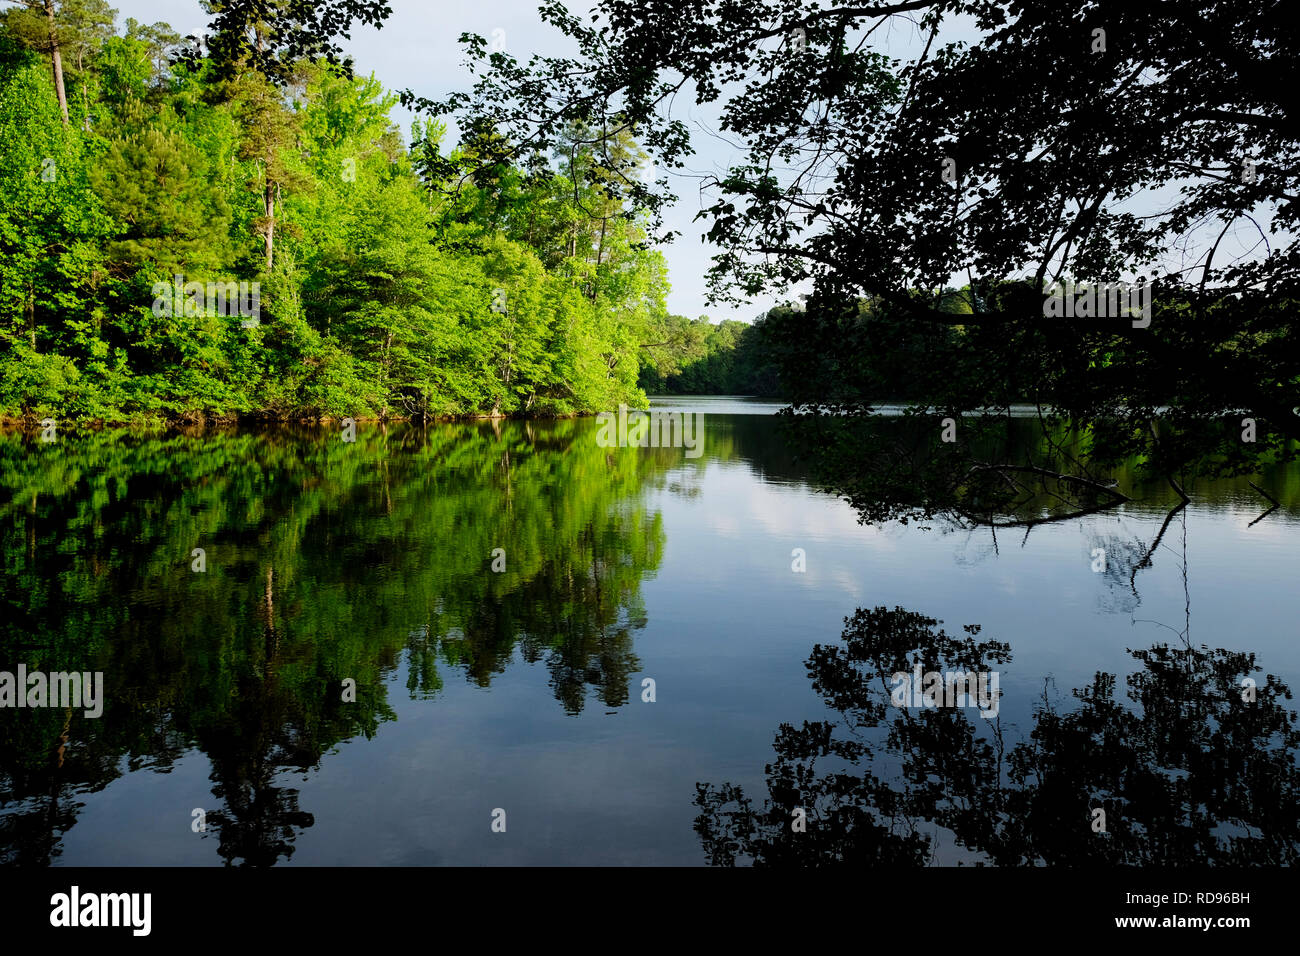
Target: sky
(417, 49)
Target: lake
(389, 651)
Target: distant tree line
(697, 357)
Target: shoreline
(11, 423)
(162, 423)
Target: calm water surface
(522, 689)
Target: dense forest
(134, 183)
(697, 357)
(237, 228)
(385, 281)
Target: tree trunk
(58, 61)
(269, 206)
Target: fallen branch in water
(1031, 522)
(1048, 473)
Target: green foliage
(695, 357)
(384, 290)
(51, 224)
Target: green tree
(51, 224)
(37, 21)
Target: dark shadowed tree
(271, 36)
(1066, 140)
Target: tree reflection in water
(1188, 770)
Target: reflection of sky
(730, 626)
(1061, 619)
(1042, 596)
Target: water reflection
(372, 562)
(1195, 768)
(1012, 474)
(325, 562)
